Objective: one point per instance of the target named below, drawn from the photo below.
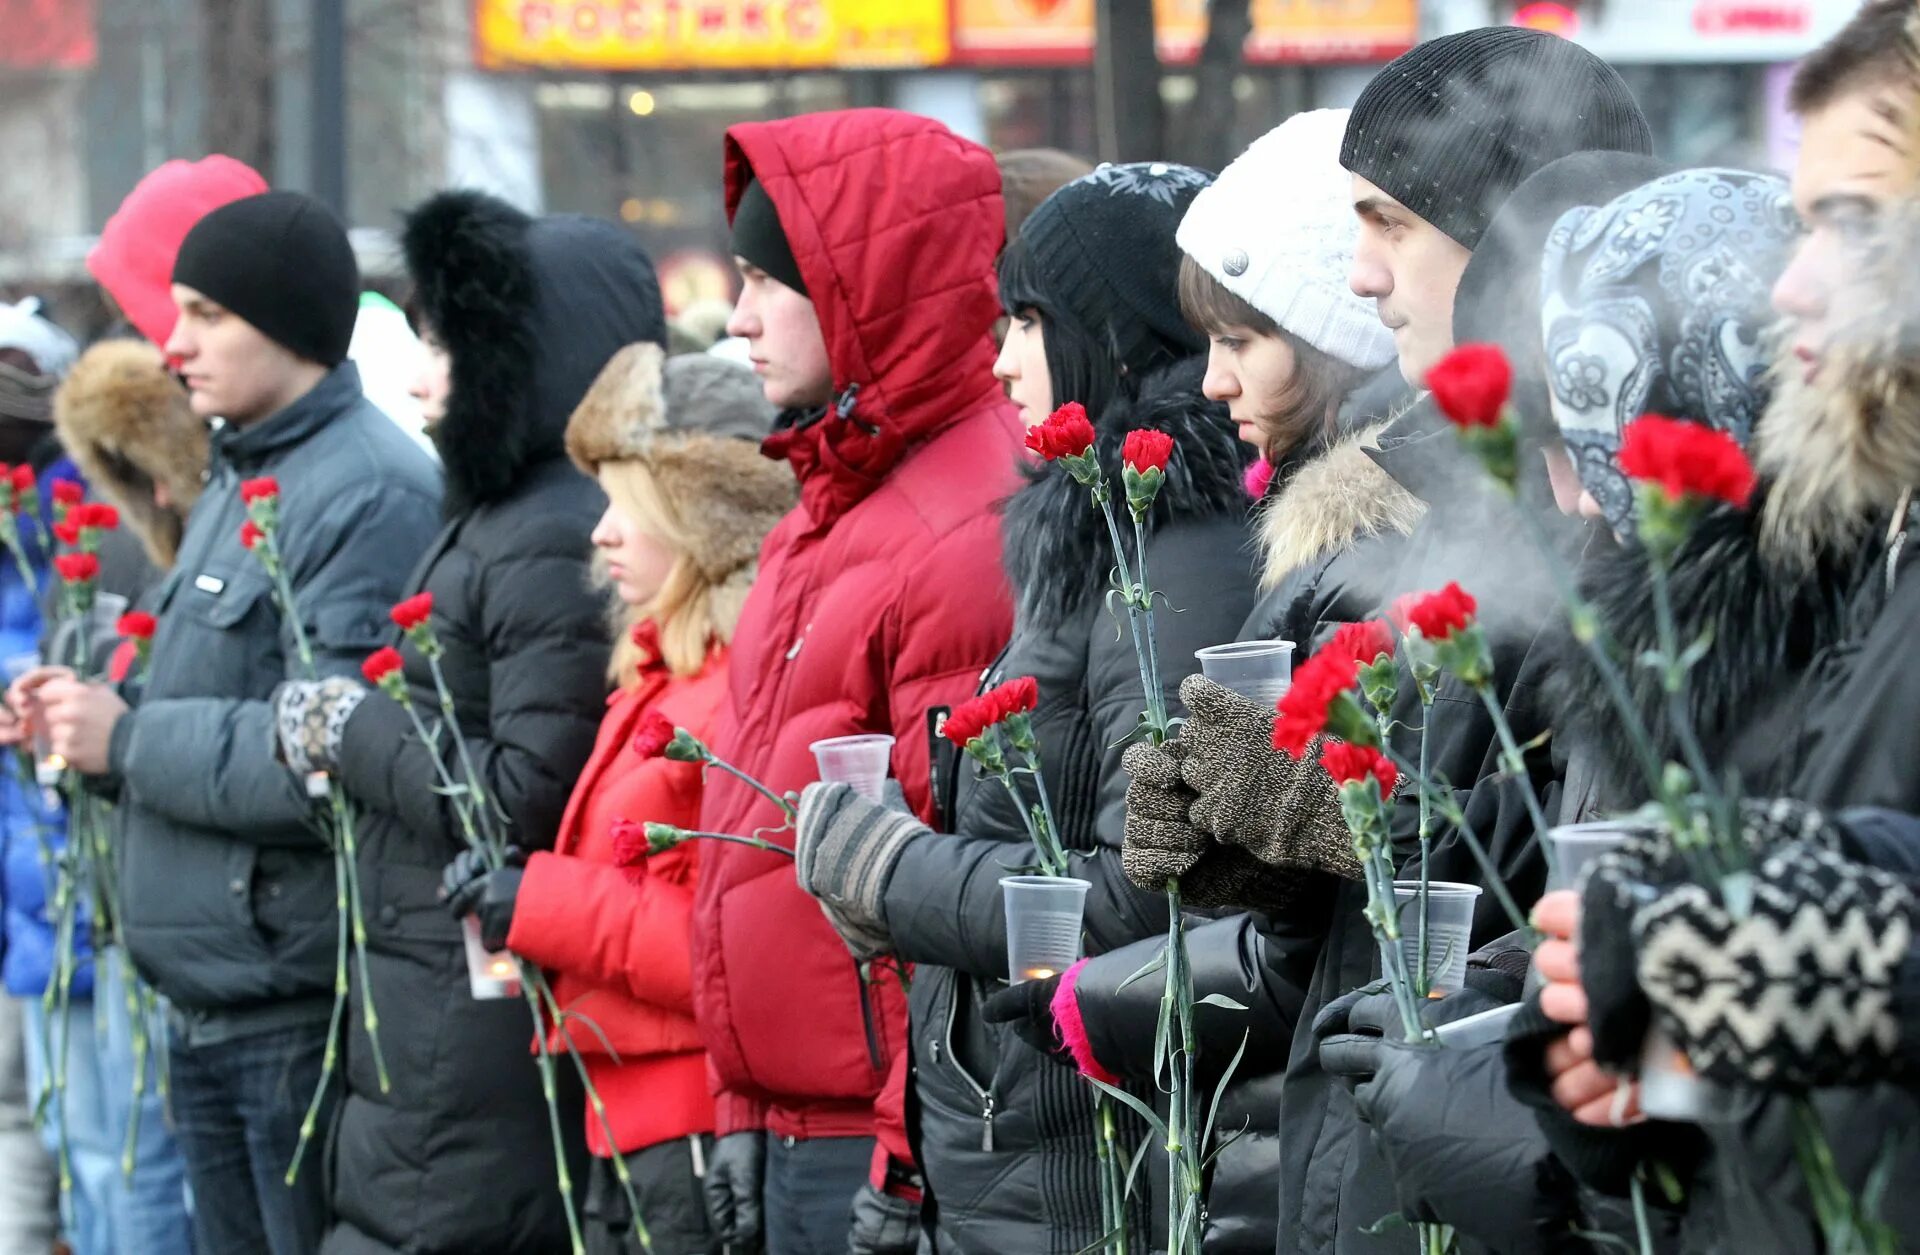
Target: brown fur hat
(126, 422)
(696, 422)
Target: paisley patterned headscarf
(1657, 303)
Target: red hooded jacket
(881, 595)
(617, 946)
(133, 259)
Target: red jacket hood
(895, 223)
(133, 260)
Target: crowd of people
(795, 1029)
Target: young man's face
(1849, 168)
(233, 371)
(783, 340)
(1253, 374)
(1411, 269)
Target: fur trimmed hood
(1056, 546)
(127, 424)
(529, 310)
(681, 422)
(1333, 500)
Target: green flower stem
(10, 537)
(1449, 809)
(1426, 832)
(547, 1088)
(1515, 765)
(1046, 842)
(477, 796)
(758, 843)
(343, 824)
(1183, 1125)
(786, 807)
(532, 977)
(463, 812)
(330, 1055)
(1150, 660)
(1113, 1186)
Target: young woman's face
(1252, 374)
(637, 561)
(434, 380)
(1022, 366)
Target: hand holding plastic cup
(1260, 671)
(1576, 846)
(1043, 924)
(1449, 932)
(860, 761)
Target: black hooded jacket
(1005, 1135)
(457, 1156)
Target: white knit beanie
(1277, 229)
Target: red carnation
(968, 720)
(138, 624)
(97, 514)
(1347, 762)
(1146, 450)
(67, 531)
(413, 612)
(630, 849)
(1686, 459)
(250, 534)
(1067, 433)
(381, 663)
(1304, 706)
(265, 488)
(1017, 697)
(77, 568)
(1435, 615)
(1363, 642)
(67, 492)
(23, 480)
(653, 736)
(1471, 385)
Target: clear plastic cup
(47, 768)
(1575, 846)
(1482, 1029)
(1449, 931)
(1669, 1087)
(1043, 924)
(1259, 671)
(860, 761)
(491, 974)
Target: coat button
(237, 887)
(389, 916)
(273, 889)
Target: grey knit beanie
(1449, 128)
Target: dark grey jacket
(227, 884)
(1003, 1134)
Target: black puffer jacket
(457, 1157)
(1004, 1135)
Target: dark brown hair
(1030, 175)
(1320, 381)
(1869, 51)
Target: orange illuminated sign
(709, 34)
(1060, 32)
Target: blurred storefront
(625, 101)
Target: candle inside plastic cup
(490, 973)
(1669, 1087)
(1043, 924)
(1449, 932)
(860, 761)
(1260, 671)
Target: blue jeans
(809, 1193)
(106, 1213)
(237, 1108)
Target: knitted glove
(471, 888)
(1622, 885)
(310, 718)
(1799, 992)
(845, 848)
(1283, 811)
(1158, 842)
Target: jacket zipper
(985, 1095)
(866, 1016)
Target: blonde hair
(692, 611)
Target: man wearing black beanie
(226, 879)
(1438, 139)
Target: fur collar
(1329, 503)
(1056, 546)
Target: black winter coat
(458, 1156)
(1004, 1135)
(226, 881)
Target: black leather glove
(882, 1224)
(469, 888)
(1027, 1009)
(1354, 1029)
(736, 1176)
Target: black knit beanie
(760, 239)
(280, 261)
(1105, 245)
(1451, 127)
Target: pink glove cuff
(1073, 1029)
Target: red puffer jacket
(617, 950)
(881, 595)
